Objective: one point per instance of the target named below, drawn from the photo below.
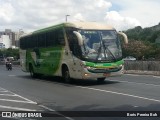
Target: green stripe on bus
(48, 61)
(104, 65)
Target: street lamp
(66, 17)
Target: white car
(10, 58)
(129, 58)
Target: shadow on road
(76, 82)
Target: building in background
(5, 42)
(9, 33)
(2, 46)
(10, 39)
(17, 36)
(1, 43)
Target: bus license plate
(106, 74)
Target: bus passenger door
(75, 54)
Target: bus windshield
(100, 45)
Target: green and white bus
(78, 50)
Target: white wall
(6, 41)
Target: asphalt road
(19, 92)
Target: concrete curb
(156, 73)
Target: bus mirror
(79, 37)
(124, 36)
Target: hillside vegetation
(143, 43)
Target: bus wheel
(100, 80)
(66, 75)
(32, 74)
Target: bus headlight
(121, 66)
(86, 75)
(89, 68)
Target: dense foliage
(143, 43)
(9, 53)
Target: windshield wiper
(106, 47)
(99, 52)
(100, 48)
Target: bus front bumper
(94, 76)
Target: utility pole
(66, 17)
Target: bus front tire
(66, 75)
(100, 80)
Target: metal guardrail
(142, 65)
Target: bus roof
(80, 25)
(90, 25)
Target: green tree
(134, 33)
(10, 53)
(136, 48)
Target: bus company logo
(21, 114)
(6, 114)
(98, 65)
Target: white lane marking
(7, 95)
(137, 75)
(26, 100)
(19, 101)
(11, 75)
(135, 83)
(47, 108)
(55, 112)
(135, 106)
(4, 91)
(156, 76)
(16, 108)
(118, 93)
(29, 101)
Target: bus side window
(26, 42)
(22, 43)
(30, 42)
(34, 41)
(42, 40)
(53, 38)
(61, 40)
(49, 42)
(73, 44)
(76, 47)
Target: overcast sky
(31, 15)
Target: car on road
(10, 58)
(129, 58)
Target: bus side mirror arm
(79, 37)
(124, 36)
